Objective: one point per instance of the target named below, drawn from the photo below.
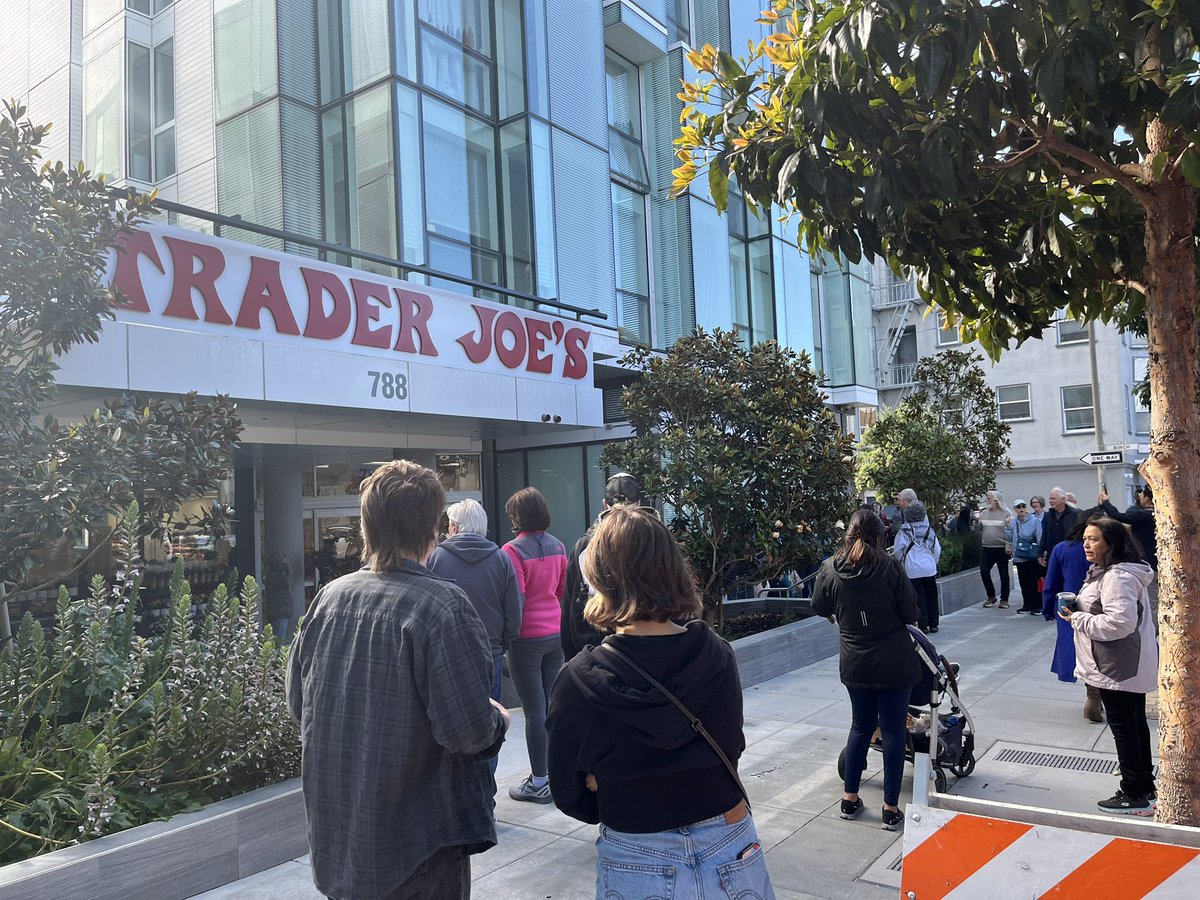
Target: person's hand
(1102, 499)
(503, 711)
(1064, 614)
(589, 782)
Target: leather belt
(738, 813)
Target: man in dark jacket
(486, 573)
(574, 632)
(1057, 522)
(1140, 519)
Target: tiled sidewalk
(795, 727)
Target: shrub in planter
(102, 729)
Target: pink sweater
(541, 563)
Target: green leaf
(1050, 78)
(1189, 164)
(718, 185)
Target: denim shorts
(699, 861)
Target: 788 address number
(389, 385)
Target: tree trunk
(1173, 470)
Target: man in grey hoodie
(485, 572)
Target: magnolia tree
(57, 225)
(945, 440)
(1020, 158)
(739, 445)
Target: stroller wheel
(939, 780)
(964, 766)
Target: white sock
(539, 781)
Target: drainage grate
(897, 863)
(1057, 760)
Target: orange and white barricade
(977, 850)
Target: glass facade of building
(520, 144)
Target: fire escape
(896, 303)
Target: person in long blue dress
(1065, 572)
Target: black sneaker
(892, 819)
(933, 629)
(1127, 805)
(851, 808)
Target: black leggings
(994, 556)
(1126, 714)
(1028, 573)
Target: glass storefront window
(340, 479)
(555, 472)
(460, 176)
(459, 471)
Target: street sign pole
(1101, 482)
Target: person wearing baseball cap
(575, 633)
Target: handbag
(697, 725)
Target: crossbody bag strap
(697, 725)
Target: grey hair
(907, 494)
(998, 496)
(1059, 490)
(916, 512)
(469, 516)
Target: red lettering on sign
(415, 310)
(576, 341)
(319, 325)
(127, 279)
(539, 332)
(184, 255)
(510, 323)
(480, 348)
(366, 312)
(264, 290)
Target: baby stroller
(955, 735)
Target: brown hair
(637, 571)
(863, 543)
(401, 504)
(1122, 546)
(528, 510)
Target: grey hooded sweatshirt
(485, 572)
(1115, 646)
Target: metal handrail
(324, 248)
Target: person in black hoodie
(622, 754)
(868, 595)
(574, 632)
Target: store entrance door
(336, 542)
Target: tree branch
(1126, 175)
(1130, 283)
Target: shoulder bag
(697, 725)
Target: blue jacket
(1030, 530)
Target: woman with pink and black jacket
(535, 657)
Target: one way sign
(1096, 458)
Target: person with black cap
(575, 633)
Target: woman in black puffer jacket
(868, 595)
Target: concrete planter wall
(768, 654)
(183, 856)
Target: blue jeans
(280, 627)
(698, 861)
(889, 711)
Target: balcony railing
(894, 294)
(901, 375)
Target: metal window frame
(1028, 401)
(1063, 405)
